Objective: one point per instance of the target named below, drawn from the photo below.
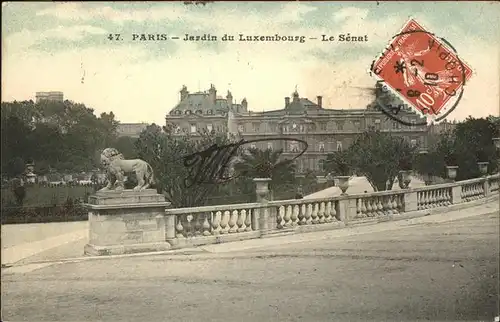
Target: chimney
(287, 101)
(320, 101)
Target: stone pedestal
(126, 221)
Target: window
(253, 146)
(177, 129)
(357, 124)
(413, 142)
(193, 128)
(210, 112)
(199, 112)
(188, 112)
(395, 125)
(301, 128)
(269, 146)
(321, 147)
(241, 128)
(209, 127)
(321, 165)
(294, 146)
(322, 126)
(339, 146)
(256, 127)
(340, 126)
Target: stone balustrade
(216, 224)
(127, 222)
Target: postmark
(423, 70)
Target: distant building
(49, 96)
(324, 129)
(131, 129)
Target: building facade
(325, 130)
(49, 96)
(131, 129)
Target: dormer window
(199, 112)
(210, 112)
(188, 112)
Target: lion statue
(117, 166)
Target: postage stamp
(423, 70)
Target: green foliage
(165, 151)
(62, 136)
(469, 143)
(255, 163)
(338, 164)
(379, 156)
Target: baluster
(369, 208)
(419, 200)
(363, 207)
(206, 225)
(232, 221)
(321, 213)
(380, 207)
(216, 221)
(438, 197)
(434, 198)
(448, 196)
(179, 228)
(302, 215)
(288, 215)
(388, 205)
(328, 212)
(333, 211)
(394, 202)
(281, 217)
(248, 220)
(241, 220)
(188, 227)
(399, 201)
(428, 199)
(224, 222)
(308, 214)
(462, 194)
(314, 214)
(295, 215)
(358, 208)
(197, 224)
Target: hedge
(43, 214)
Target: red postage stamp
(423, 70)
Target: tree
(378, 156)
(256, 163)
(61, 135)
(165, 152)
(338, 164)
(470, 142)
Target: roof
(203, 102)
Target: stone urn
(483, 167)
(404, 179)
(262, 188)
(342, 182)
(451, 171)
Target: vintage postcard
(250, 161)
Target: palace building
(324, 129)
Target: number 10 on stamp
(423, 70)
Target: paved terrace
(437, 267)
(24, 243)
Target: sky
(52, 46)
